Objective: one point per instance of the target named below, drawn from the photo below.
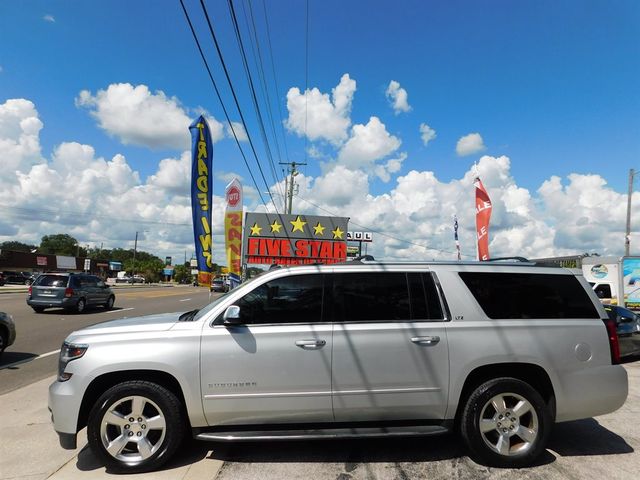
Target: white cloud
(49, 18)
(368, 143)
(137, 116)
(470, 144)
(319, 116)
(239, 130)
(398, 97)
(99, 200)
(427, 133)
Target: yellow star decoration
(297, 224)
(275, 227)
(319, 229)
(337, 233)
(255, 230)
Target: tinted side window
(529, 295)
(603, 291)
(371, 297)
(296, 299)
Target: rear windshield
(52, 281)
(529, 295)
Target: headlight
(68, 352)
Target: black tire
(110, 301)
(498, 442)
(130, 459)
(81, 305)
(4, 339)
(38, 309)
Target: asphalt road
(33, 356)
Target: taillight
(613, 341)
(68, 292)
(29, 290)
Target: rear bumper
(591, 392)
(52, 302)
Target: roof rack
(517, 259)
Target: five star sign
(297, 224)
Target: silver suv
(495, 351)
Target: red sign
(41, 261)
(483, 215)
(233, 196)
(295, 251)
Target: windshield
(213, 304)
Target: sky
(393, 106)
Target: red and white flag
(483, 215)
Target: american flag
(455, 234)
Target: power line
(254, 97)
(275, 79)
(224, 109)
(380, 232)
(235, 99)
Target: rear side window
(52, 281)
(392, 296)
(529, 295)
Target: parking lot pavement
(595, 448)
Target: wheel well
(532, 374)
(104, 382)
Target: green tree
(14, 246)
(61, 244)
(182, 273)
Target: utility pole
(627, 237)
(135, 247)
(290, 184)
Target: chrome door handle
(426, 340)
(310, 344)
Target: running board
(324, 433)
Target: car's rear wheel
(136, 426)
(81, 305)
(38, 309)
(110, 302)
(505, 423)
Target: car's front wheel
(505, 423)
(136, 426)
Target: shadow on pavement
(9, 357)
(90, 310)
(189, 453)
(586, 437)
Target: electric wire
(256, 103)
(224, 109)
(275, 79)
(384, 234)
(235, 99)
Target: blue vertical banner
(201, 196)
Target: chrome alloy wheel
(132, 429)
(509, 424)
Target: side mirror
(232, 315)
(622, 319)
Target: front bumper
(64, 405)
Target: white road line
(14, 364)
(185, 300)
(119, 310)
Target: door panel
(379, 373)
(258, 374)
(276, 366)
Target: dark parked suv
(17, 278)
(71, 291)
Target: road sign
(87, 264)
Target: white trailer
(616, 280)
